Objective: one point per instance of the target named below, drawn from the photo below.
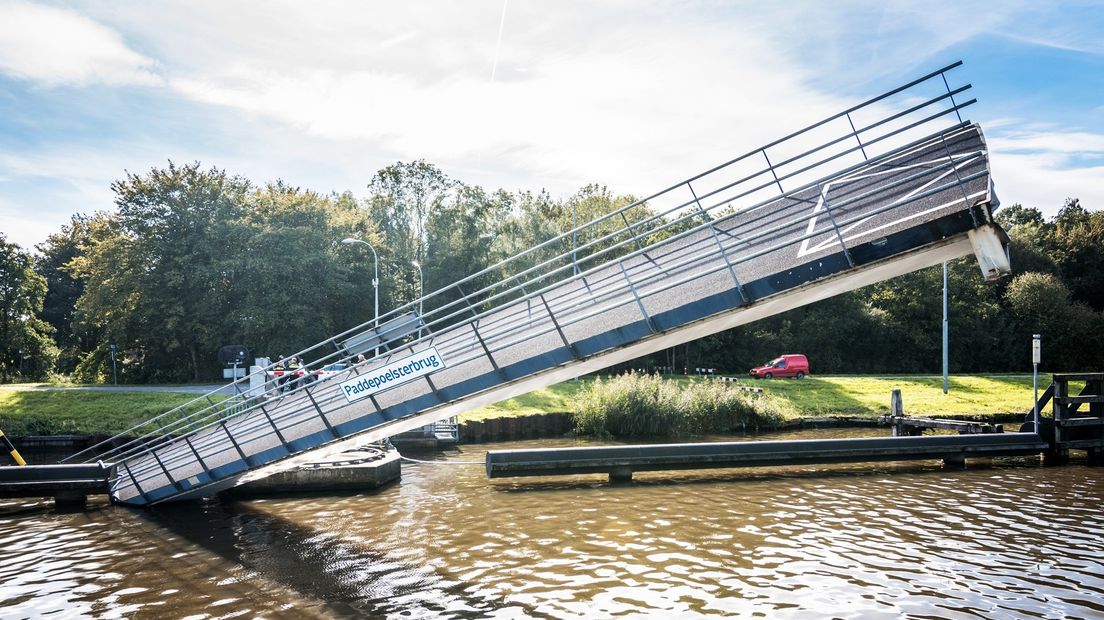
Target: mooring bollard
(897, 411)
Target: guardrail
(684, 209)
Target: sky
(634, 95)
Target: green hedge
(635, 405)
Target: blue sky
(634, 95)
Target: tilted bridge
(897, 183)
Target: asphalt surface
(766, 247)
(186, 389)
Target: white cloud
(40, 192)
(59, 47)
(636, 95)
(1054, 141)
(635, 100)
(1042, 168)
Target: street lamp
(375, 284)
(421, 287)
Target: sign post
(1036, 356)
(114, 372)
(233, 355)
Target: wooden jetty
(65, 483)
(1067, 428)
(906, 426)
(1072, 427)
(619, 462)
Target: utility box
(257, 377)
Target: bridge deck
(882, 212)
(716, 261)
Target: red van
(793, 365)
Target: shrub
(633, 405)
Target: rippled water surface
(1007, 539)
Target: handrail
(762, 232)
(509, 283)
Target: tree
(63, 288)
(1041, 304)
(402, 199)
(294, 284)
(461, 238)
(26, 349)
(156, 283)
(1078, 250)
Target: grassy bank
(923, 395)
(558, 398)
(79, 412)
(969, 395)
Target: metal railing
(500, 314)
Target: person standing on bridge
(293, 367)
(282, 369)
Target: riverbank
(26, 412)
(831, 396)
(81, 412)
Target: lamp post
(421, 293)
(375, 284)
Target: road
(188, 389)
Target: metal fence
(509, 302)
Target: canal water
(1002, 539)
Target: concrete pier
(360, 469)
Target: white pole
(421, 294)
(375, 298)
(946, 325)
(573, 234)
(375, 286)
(1036, 356)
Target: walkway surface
(892, 185)
(926, 195)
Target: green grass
(79, 412)
(922, 395)
(834, 395)
(558, 398)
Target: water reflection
(1004, 539)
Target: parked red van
(793, 365)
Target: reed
(640, 405)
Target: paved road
(187, 389)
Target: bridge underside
(910, 209)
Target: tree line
(195, 258)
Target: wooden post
(1060, 408)
(1095, 387)
(897, 411)
(621, 474)
(955, 462)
